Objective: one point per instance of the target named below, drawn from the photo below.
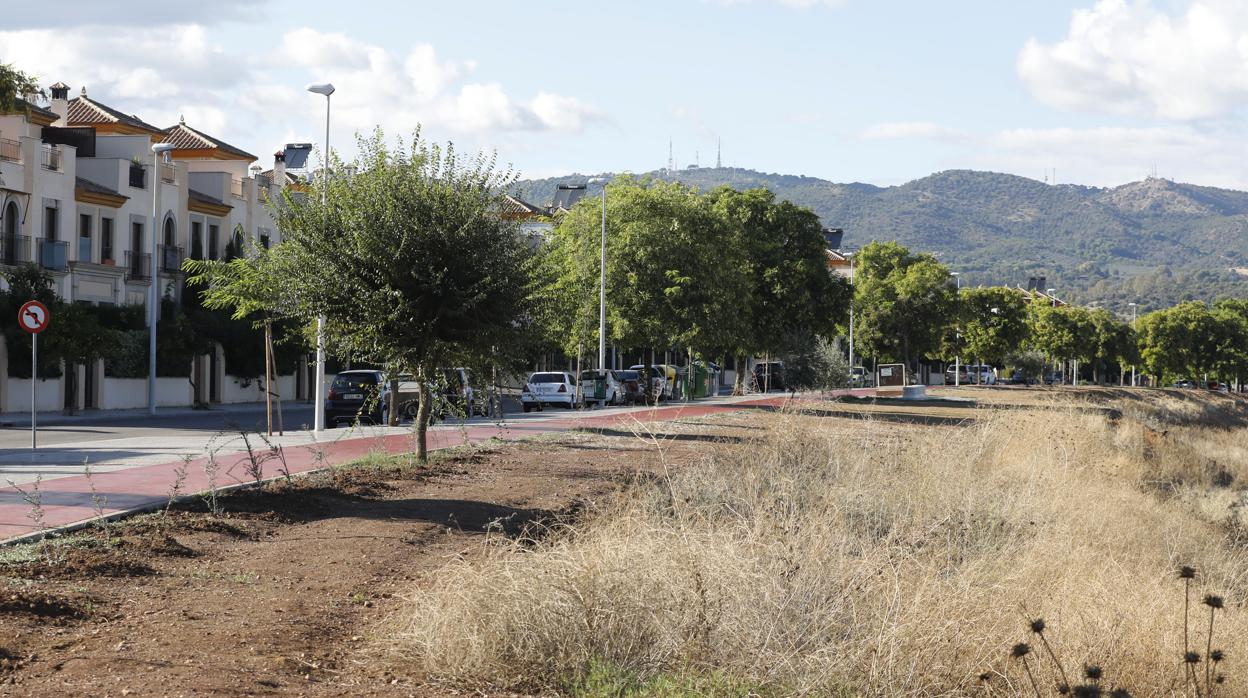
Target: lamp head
(596, 180)
(160, 148)
(321, 88)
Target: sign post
(33, 318)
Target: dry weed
(852, 557)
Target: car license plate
(353, 396)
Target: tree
(14, 86)
(1174, 341)
(411, 263)
(902, 302)
(253, 287)
(791, 297)
(673, 276)
(993, 322)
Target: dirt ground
(281, 593)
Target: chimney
(60, 102)
(279, 168)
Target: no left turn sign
(33, 317)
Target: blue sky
(1099, 91)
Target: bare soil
(282, 593)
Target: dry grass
(842, 557)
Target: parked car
(769, 375)
(460, 395)
(1017, 377)
(589, 383)
(549, 388)
(632, 390)
(357, 394)
(859, 378)
(981, 375)
(1185, 384)
(958, 375)
(660, 386)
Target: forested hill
(1155, 242)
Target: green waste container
(699, 376)
(600, 388)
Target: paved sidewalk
(139, 475)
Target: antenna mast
(719, 143)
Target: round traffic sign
(33, 317)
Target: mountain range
(1154, 242)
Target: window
(264, 241)
(84, 237)
(214, 233)
(197, 240)
(49, 223)
(106, 240)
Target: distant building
(838, 258)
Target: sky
(1096, 92)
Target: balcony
(138, 266)
(50, 158)
(170, 259)
(138, 176)
(53, 254)
(10, 150)
(14, 250)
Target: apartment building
(77, 181)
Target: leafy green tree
(14, 85)
(902, 302)
(411, 263)
(993, 322)
(252, 286)
(1179, 342)
(792, 298)
(673, 276)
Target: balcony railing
(138, 266)
(138, 176)
(14, 249)
(52, 254)
(50, 158)
(166, 174)
(170, 259)
(236, 188)
(10, 150)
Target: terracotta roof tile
(184, 137)
(84, 111)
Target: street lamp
(602, 293)
(1133, 309)
(318, 412)
(153, 298)
(957, 359)
(850, 255)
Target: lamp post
(957, 359)
(318, 411)
(153, 298)
(851, 320)
(1052, 302)
(1133, 309)
(602, 293)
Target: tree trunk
(393, 418)
(277, 397)
(422, 416)
(738, 387)
(268, 376)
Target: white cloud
(254, 99)
(1132, 58)
(915, 130)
